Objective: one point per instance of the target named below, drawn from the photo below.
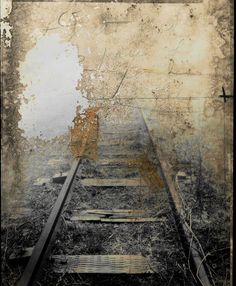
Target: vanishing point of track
(43, 246)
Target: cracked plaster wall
(171, 60)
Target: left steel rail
(42, 247)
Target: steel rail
(197, 263)
(42, 247)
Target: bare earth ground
(207, 211)
(158, 241)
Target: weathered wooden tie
(98, 182)
(115, 142)
(25, 253)
(114, 162)
(94, 218)
(41, 181)
(110, 264)
(60, 178)
(114, 212)
(113, 216)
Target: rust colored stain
(84, 134)
(148, 171)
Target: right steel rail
(190, 247)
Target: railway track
(118, 214)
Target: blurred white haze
(51, 71)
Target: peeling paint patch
(6, 7)
(84, 134)
(50, 73)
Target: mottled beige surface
(168, 60)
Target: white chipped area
(5, 27)
(51, 72)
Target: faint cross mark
(224, 95)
